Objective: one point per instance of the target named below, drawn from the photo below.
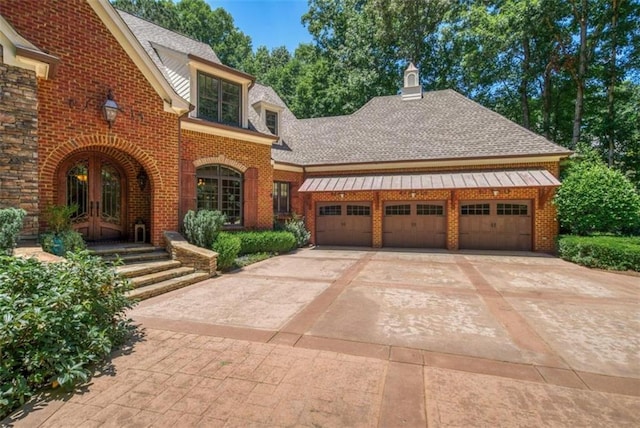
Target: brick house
(432, 170)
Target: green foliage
(604, 252)
(267, 241)
(10, 225)
(202, 227)
(58, 217)
(595, 198)
(227, 245)
(297, 228)
(61, 243)
(57, 319)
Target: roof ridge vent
(412, 89)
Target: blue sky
(271, 23)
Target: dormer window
(271, 120)
(219, 100)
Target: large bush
(202, 227)
(10, 225)
(57, 319)
(595, 198)
(267, 241)
(605, 252)
(227, 246)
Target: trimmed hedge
(604, 252)
(227, 246)
(267, 241)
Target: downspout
(180, 210)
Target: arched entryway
(97, 184)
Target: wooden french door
(97, 185)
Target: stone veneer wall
(19, 143)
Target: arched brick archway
(129, 158)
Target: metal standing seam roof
(456, 180)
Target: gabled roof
(441, 125)
(261, 93)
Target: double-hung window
(219, 100)
(281, 197)
(271, 119)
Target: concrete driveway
(352, 337)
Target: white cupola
(412, 89)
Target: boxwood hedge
(604, 252)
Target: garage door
(415, 224)
(343, 223)
(491, 225)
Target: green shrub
(10, 225)
(296, 227)
(267, 241)
(595, 198)
(227, 246)
(60, 243)
(57, 319)
(604, 252)
(202, 227)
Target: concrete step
(166, 286)
(140, 269)
(137, 257)
(156, 277)
(122, 248)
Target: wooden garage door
(420, 224)
(493, 225)
(343, 223)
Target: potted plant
(61, 237)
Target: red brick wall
(70, 117)
(201, 149)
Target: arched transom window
(219, 188)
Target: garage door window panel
(426, 209)
(358, 210)
(404, 209)
(330, 210)
(512, 209)
(475, 209)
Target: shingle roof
(441, 125)
(456, 180)
(168, 50)
(264, 93)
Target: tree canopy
(568, 70)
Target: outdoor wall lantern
(110, 109)
(142, 179)
(496, 192)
